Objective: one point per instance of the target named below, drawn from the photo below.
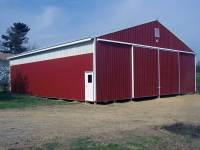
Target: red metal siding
(145, 72)
(113, 71)
(187, 70)
(60, 78)
(144, 34)
(169, 73)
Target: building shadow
(145, 99)
(190, 130)
(20, 84)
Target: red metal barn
(142, 61)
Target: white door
(89, 89)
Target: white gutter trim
(94, 70)
(132, 72)
(50, 48)
(144, 46)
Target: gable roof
(144, 34)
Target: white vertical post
(159, 73)
(179, 73)
(94, 69)
(132, 72)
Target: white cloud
(47, 18)
(47, 25)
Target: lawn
(166, 123)
(135, 143)
(163, 140)
(22, 101)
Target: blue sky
(58, 21)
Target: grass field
(180, 137)
(165, 123)
(21, 101)
(134, 143)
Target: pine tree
(15, 39)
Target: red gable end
(145, 34)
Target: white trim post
(158, 73)
(179, 73)
(132, 72)
(94, 69)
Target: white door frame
(89, 86)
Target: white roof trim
(50, 48)
(144, 46)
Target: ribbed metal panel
(113, 76)
(145, 72)
(59, 78)
(145, 34)
(169, 73)
(187, 73)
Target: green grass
(22, 101)
(164, 142)
(88, 144)
(134, 143)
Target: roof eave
(50, 48)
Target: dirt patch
(36, 126)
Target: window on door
(89, 78)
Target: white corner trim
(159, 87)
(144, 46)
(50, 48)
(94, 69)
(132, 72)
(179, 73)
